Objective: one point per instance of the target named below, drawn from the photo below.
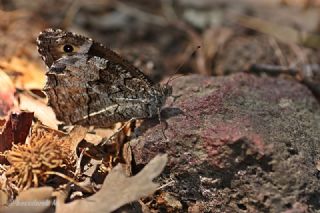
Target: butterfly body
(88, 84)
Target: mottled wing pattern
(89, 84)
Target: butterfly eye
(68, 48)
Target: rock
(239, 143)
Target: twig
(165, 185)
(272, 69)
(103, 142)
(78, 164)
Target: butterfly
(89, 84)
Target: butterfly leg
(162, 128)
(105, 141)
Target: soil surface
(235, 146)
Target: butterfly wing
(92, 85)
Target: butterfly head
(55, 43)
(167, 90)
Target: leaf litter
(50, 160)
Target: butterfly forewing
(89, 84)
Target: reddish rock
(239, 143)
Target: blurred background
(160, 35)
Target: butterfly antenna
(181, 65)
(166, 86)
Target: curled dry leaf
(6, 139)
(6, 93)
(117, 189)
(41, 111)
(15, 130)
(21, 123)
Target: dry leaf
(117, 189)
(33, 200)
(6, 139)
(127, 157)
(21, 123)
(15, 130)
(77, 134)
(41, 111)
(3, 198)
(6, 93)
(25, 74)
